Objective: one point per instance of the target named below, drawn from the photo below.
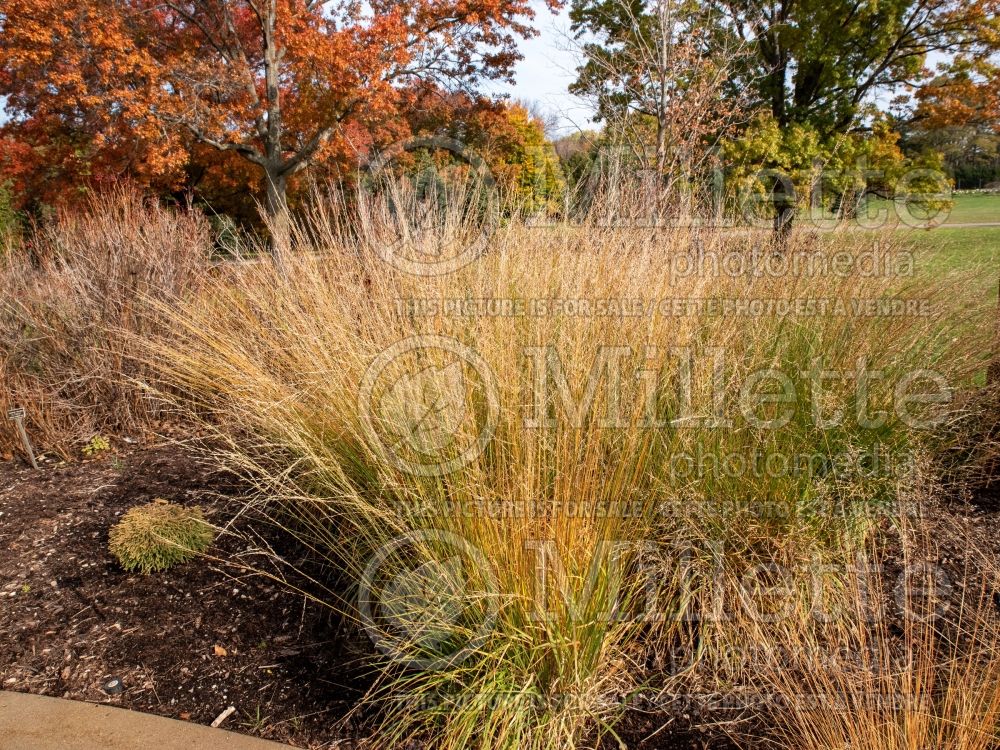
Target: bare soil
(185, 643)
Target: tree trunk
(276, 206)
(784, 211)
(661, 146)
(660, 196)
(784, 217)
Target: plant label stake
(17, 416)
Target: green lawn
(961, 248)
(955, 249)
(968, 209)
(971, 209)
(973, 255)
(974, 251)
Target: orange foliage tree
(104, 88)
(966, 93)
(957, 113)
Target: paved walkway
(36, 722)
(970, 225)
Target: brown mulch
(185, 643)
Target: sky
(547, 70)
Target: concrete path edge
(38, 722)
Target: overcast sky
(547, 70)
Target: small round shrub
(158, 535)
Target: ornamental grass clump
(159, 535)
(530, 471)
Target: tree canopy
(105, 88)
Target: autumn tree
(814, 64)
(819, 64)
(507, 136)
(957, 112)
(81, 99)
(124, 83)
(659, 64)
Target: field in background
(975, 208)
(961, 248)
(953, 248)
(968, 209)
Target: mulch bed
(186, 643)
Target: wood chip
(223, 716)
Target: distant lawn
(974, 251)
(960, 249)
(968, 209)
(971, 253)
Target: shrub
(10, 220)
(71, 296)
(159, 535)
(96, 446)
